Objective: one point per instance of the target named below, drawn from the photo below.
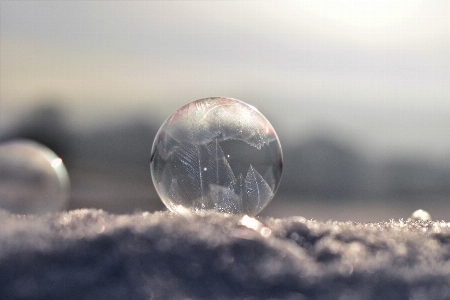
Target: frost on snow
(90, 254)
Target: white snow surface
(91, 254)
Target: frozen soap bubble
(216, 153)
(33, 179)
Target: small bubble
(420, 215)
(265, 232)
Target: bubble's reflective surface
(33, 179)
(216, 153)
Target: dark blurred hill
(112, 162)
(322, 167)
(44, 124)
(124, 146)
(108, 166)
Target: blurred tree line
(320, 167)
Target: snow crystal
(91, 254)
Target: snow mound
(90, 254)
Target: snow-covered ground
(91, 254)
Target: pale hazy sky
(374, 71)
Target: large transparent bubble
(33, 179)
(216, 153)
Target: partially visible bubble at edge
(33, 179)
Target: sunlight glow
(369, 14)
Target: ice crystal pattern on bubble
(216, 153)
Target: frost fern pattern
(219, 154)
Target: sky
(374, 72)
